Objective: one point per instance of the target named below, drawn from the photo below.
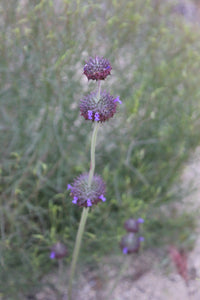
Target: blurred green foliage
(45, 143)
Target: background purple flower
(130, 243)
(133, 225)
(58, 251)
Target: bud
(132, 225)
(58, 251)
(97, 68)
(85, 196)
(101, 109)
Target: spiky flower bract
(97, 68)
(101, 110)
(58, 251)
(132, 225)
(130, 243)
(85, 195)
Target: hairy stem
(98, 90)
(92, 153)
(77, 248)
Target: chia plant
(89, 189)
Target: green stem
(77, 248)
(92, 153)
(93, 142)
(60, 269)
(98, 90)
(85, 211)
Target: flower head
(130, 243)
(85, 195)
(97, 68)
(58, 251)
(100, 110)
(132, 225)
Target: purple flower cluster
(101, 110)
(58, 251)
(97, 107)
(132, 225)
(85, 195)
(97, 68)
(130, 243)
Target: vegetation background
(45, 143)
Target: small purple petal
(69, 187)
(118, 100)
(102, 198)
(90, 114)
(75, 200)
(89, 203)
(52, 255)
(96, 116)
(125, 250)
(141, 239)
(140, 220)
